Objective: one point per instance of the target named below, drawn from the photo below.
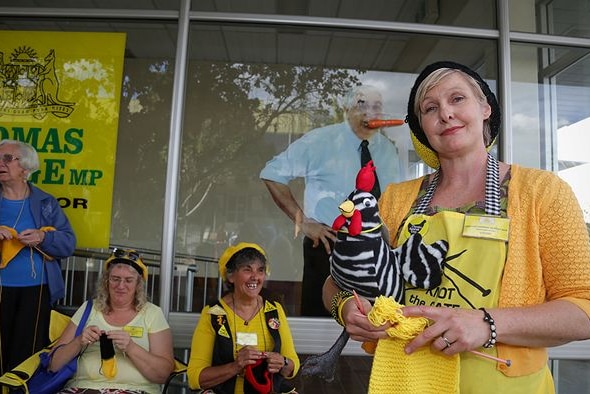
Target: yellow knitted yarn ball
(421, 372)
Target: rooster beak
(346, 208)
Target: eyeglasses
(368, 106)
(129, 254)
(8, 158)
(116, 280)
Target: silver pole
(174, 151)
(504, 83)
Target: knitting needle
(485, 355)
(358, 302)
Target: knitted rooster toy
(362, 261)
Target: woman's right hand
(358, 325)
(5, 233)
(248, 355)
(89, 335)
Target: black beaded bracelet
(488, 319)
(335, 304)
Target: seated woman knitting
(242, 343)
(141, 338)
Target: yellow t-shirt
(149, 320)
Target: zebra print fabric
(367, 264)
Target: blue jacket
(58, 244)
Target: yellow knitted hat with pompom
(394, 371)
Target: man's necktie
(365, 158)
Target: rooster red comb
(365, 179)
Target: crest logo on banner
(29, 85)
(60, 92)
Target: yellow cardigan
(548, 249)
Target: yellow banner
(60, 92)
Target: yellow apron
(472, 270)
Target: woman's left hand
(121, 339)
(451, 330)
(275, 361)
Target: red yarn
(264, 387)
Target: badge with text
(247, 339)
(134, 331)
(417, 223)
(489, 227)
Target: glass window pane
(468, 13)
(144, 121)
(250, 96)
(572, 376)
(557, 17)
(551, 117)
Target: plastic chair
(179, 369)
(18, 376)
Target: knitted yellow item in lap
(421, 372)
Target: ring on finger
(446, 341)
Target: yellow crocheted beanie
(394, 371)
(231, 251)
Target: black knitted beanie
(412, 117)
